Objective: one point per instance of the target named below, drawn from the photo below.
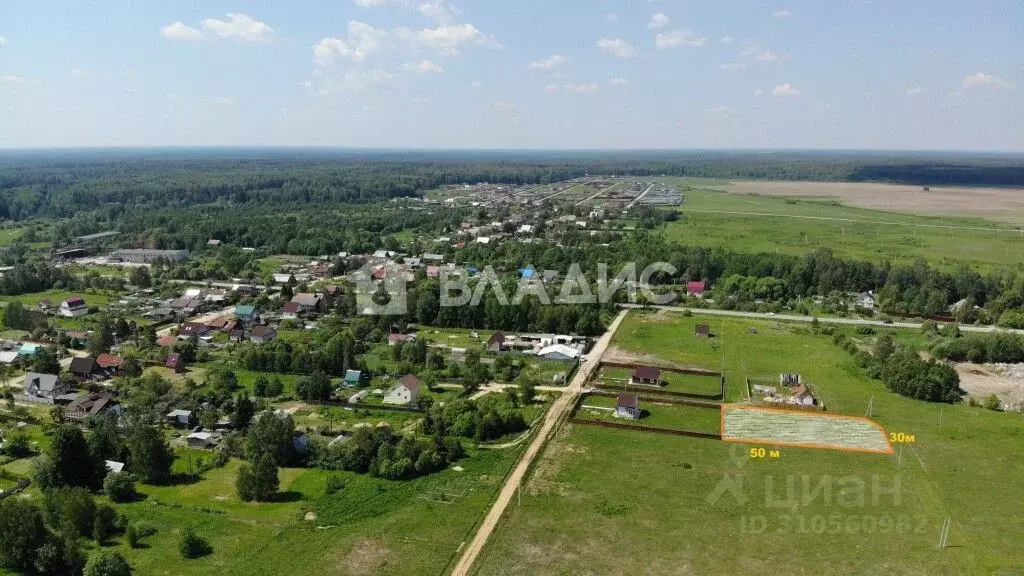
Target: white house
(627, 406)
(74, 306)
(405, 392)
(44, 386)
(802, 396)
(201, 440)
(558, 352)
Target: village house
(284, 278)
(175, 362)
(308, 303)
(202, 440)
(496, 342)
(109, 363)
(93, 404)
(627, 406)
(802, 396)
(261, 334)
(290, 311)
(73, 307)
(186, 305)
(405, 392)
(190, 329)
(44, 387)
(82, 368)
(646, 375)
(181, 418)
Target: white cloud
(616, 47)
(79, 73)
(423, 67)
(221, 102)
(13, 80)
(179, 31)
(824, 106)
(439, 11)
(447, 40)
(677, 38)
(375, 3)
(759, 54)
(732, 67)
(363, 41)
(758, 91)
(915, 91)
(780, 14)
(721, 111)
(618, 81)
(983, 80)
(239, 27)
(549, 63)
(504, 105)
(551, 88)
(582, 88)
(786, 90)
(354, 80)
(476, 84)
(3, 41)
(611, 18)
(659, 21)
(726, 40)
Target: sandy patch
(1004, 380)
(365, 558)
(1002, 204)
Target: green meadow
(607, 501)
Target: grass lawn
(93, 297)
(595, 490)
(672, 382)
(710, 218)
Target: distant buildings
(147, 255)
(405, 392)
(72, 307)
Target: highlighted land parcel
(805, 429)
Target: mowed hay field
(622, 502)
(716, 214)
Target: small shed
(702, 330)
(175, 362)
(646, 375)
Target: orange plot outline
(885, 436)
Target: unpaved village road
(558, 410)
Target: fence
(690, 371)
(655, 399)
(620, 426)
(694, 371)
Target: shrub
(120, 487)
(191, 545)
(992, 402)
(108, 564)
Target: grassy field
(655, 414)
(672, 382)
(714, 217)
(596, 490)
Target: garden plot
(810, 430)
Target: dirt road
(558, 410)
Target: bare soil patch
(365, 558)
(1004, 380)
(1001, 204)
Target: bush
(103, 523)
(992, 402)
(191, 545)
(73, 508)
(120, 487)
(108, 564)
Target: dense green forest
(113, 184)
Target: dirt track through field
(559, 409)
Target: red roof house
(696, 288)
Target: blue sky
(893, 74)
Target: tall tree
(150, 457)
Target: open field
(713, 216)
(1002, 204)
(805, 429)
(621, 502)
